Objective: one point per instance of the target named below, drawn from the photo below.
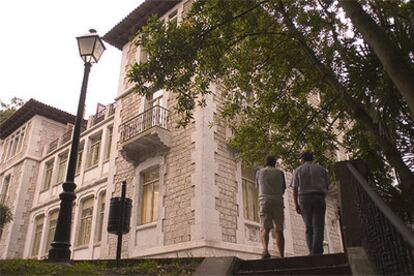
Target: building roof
(30, 109)
(119, 35)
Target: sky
(39, 55)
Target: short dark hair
(271, 160)
(307, 156)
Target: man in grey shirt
(310, 185)
(271, 182)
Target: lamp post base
(60, 252)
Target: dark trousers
(313, 209)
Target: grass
(185, 266)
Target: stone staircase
(330, 264)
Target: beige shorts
(271, 214)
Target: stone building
(190, 196)
(23, 138)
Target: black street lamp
(91, 48)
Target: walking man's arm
(295, 198)
(295, 184)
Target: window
(10, 149)
(130, 59)
(20, 144)
(101, 214)
(108, 143)
(149, 199)
(53, 216)
(62, 167)
(5, 188)
(143, 55)
(48, 175)
(250, 195)
(186, 8)
(15, 144)
(85, 222)
(173, 17)
(79, 158)
(154, 116)
(94, 149)
(38, 227)
(3, 150)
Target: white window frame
(51, 228)
(37, 235)
(47, 183)
(100, 216)
(80, 157)
(250, 197)
(152, 203)
(62, 167)
(93, 141)
(85, 222)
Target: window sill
(58, 184)
(97, 244)
(106, 160)
(80, 247)
(44, 190)
(146, 226)
(251, 223)
(91, 167)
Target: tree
(394, 61)
(269, 58)
(5, 216)
(6, 110)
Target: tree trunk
(355, 108)
(396, 66)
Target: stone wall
(24, 175)
(225, 179)
(124, 170)
(178, 216)
(9, 230)
(179, 190)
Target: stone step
(298, 262)
(342, 269)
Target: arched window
(37, 235)
(101, 213)
(53, 216)
(86, 213)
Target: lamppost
(91, 48)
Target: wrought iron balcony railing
(155, 116)
(99, 117)
(66, 136)
(53, 145)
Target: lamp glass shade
(99, 49)
(91, 47)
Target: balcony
(145, 135)
(103, 112)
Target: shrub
(5, 215)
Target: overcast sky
(39, 56)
